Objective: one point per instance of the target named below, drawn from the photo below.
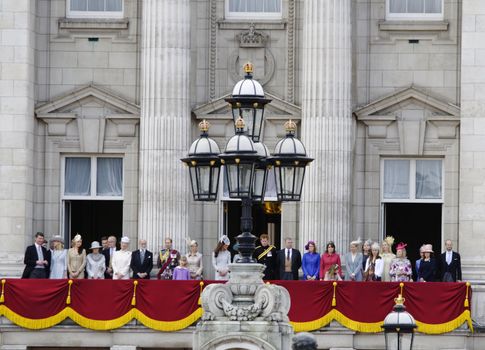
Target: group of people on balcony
(374, 262)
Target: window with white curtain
(405, 180)
(93, 178)
(94, 8)
(415, 9)
(253, 9)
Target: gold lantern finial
(290, 126)
(399, 300)
(204, 126)
(240, 124)
(248, 68)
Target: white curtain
(114, 5)
(254, 5)
(77, 179)
(95, 5)
(397, 6)
(79, 5)
(428, 179)
(433, 6)
(396, 179)
(415, 6)
(109, 177)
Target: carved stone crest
(252, 38)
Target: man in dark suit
(142, 261)
(289, 261)
(266, 254)
(37, 259)
(108, 254)
(450, 264)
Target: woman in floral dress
(401, 270)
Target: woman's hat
(193, 242)
(77, 238)
(125, 239)
(57, 238)
(401, 245)
(224, 239)
(428, 248)
(389, 240)
(421, 249)
(307, 246)
(95, 245)
(356, 242)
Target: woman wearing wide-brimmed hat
(401, 269)
(58, 259)
(427, 267)
(96, 262)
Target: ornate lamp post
(399, 327)
(246, 160)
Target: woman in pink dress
(330, 266)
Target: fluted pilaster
(165, 121)
(327, 122)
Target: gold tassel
(133, 300)
(334, 300)
(68, 300)
(201, 284)
(466, 303)
(2, 296)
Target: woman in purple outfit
(401, 270)
(181, 272)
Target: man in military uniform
(168, 259)
(266, 254)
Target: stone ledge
(81, 24)
(414, 26)
(258, 25)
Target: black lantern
(204, 165)
(399, 327)
(260, 172)
(248, 102)
(289, 160)
(239, 160)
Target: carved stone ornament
(245, 297)
(252, 38)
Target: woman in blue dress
(311, 262)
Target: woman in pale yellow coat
(76, 258)
(387, 257)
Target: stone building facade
(388, 97)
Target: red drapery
(173, 305)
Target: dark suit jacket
(454, 268)
(107, 259)
(295, 262)
(137, 266)
(31, 257)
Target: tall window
(93, 178)
(415, 9)
(95, 8)
(416, 180)
(253, 9)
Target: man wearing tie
(108, 255)
(37, 259)
(450, 264)
(289, 261)
(142, 261)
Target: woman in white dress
(121, 261)
(194, 259)
(96, 262)
(76, 258)
(58, 259)
(221, 258)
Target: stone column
(472, 145)
(165, 121)
(17, 78)
(327, 122)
